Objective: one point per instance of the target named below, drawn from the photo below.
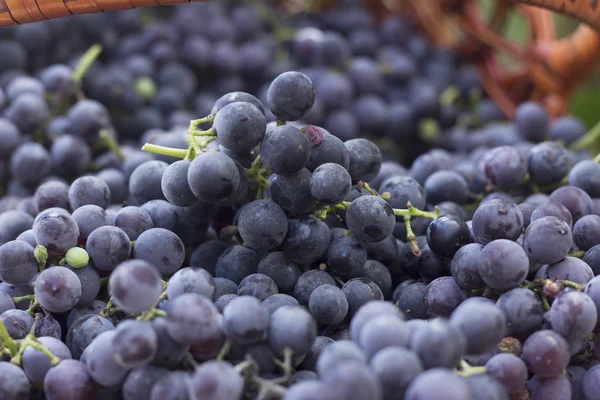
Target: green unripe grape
(145, 88)
(77, 257)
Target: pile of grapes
(345, 217)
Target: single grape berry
(370, 219)
(290, 96)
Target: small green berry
(145, 88)
(77, 257)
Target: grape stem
(224, 351)
(41, 255)
(165, 151)
(111, 143)
(588, 139)
(468, 370)
(6, 340)
(21, 298)
(107, 308)
(577, 254)
(33, 306)
(411, 238)
(257, 171)
(31, 341)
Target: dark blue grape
(290, 96)
(240, 126)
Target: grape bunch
(204, 203)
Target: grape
(574, 199)
(36, 364)
(13, 382)
(207, 254)
(291, 327)
(191, 280)
(192, 318)
(497, 219)
(18, 323)
(346, 256)
(308, 282)
(169, 353)
(486, 387)
(365, 161)
(482, 323)
(292, 192)
(236, 263)
(84, 330)
(353, 379)
(438, 383)
(438, 344)
(135, 286)
(275, 301)
(223, 172)
(100, 361)
(546, 353)
(70, 156)
(360, 291)
(262, 224)
(175, 185)
(215, 380)
(381, 332)
(573, 315)
(108, 246)
(12, 224)
(88, 218)
(523, 310)
(412, 300)
(69, 380)
(134, 343)
(307, 239)
(89, 190)
(585, 232)
(510, 370)
(171, 386)
(257, 285)
(548, 163)
(240, 125)
(90, 284)
(379, 274)
(161, 248)
(569, 268)
(552, 387)
(552, 209)
(6, 302)
(585, 175)
(395, 368)
(503, 264)
(58, 289)
(116, 182)
(291, 95)
(464, 267)
(77, 257)
(133, 221)
(444, 186)
(51, 194)
(547, 240)
(29, 163)
(441, 297)
(567, 129)
(281, 269)
(328, 305)
(532, 121)
(404, 189)
(370, 219)
(505, 167)
(235, 97)
(56, 231)
(285, 150)
(245, 320)
(17, 262)
(445, 235)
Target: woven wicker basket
(14, 12)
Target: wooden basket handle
(16, 12)
(587, 11)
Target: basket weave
(15, 12)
